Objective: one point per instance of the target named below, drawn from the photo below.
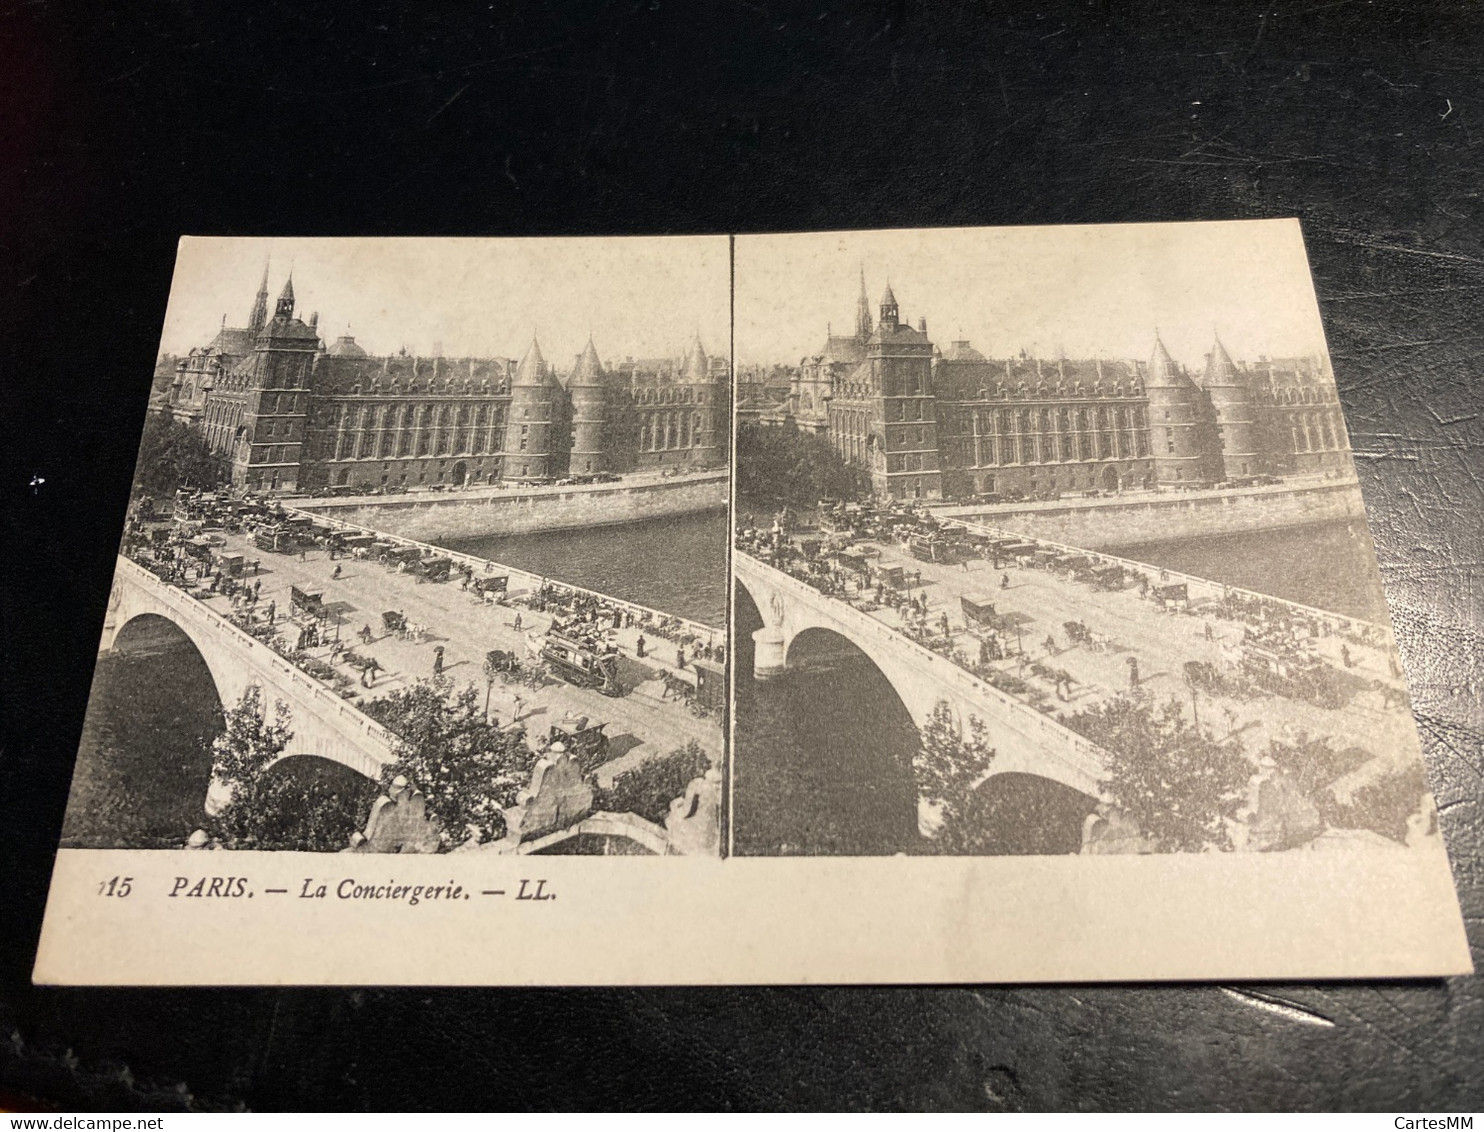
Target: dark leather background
(124, 125)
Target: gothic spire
(863, 311)
(285, 308)
(259, 316)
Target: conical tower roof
(1163, 372)
(532, 369)
(589, 368)
(888, 299)
(696, 367)
(1220, 369)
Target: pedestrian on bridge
(680, 656)
(639, 647)
(1133, 672)
(272, 611)
(438, 661)
(1004, 581)
(517, 622)
(365, 634)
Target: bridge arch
(1026, 740)
(823, 763)
(143, 766)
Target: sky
(637, 296)
(1092, 291)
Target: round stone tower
(1174, 421)
(528, 431)
(589, 391)
(1231, 402)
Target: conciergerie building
(930, 423)
(291, 413)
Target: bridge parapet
(1028, 740)
(708, 633)
(325, 724)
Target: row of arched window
(660, 431)
(385, 431)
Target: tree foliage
(1172, 779)
(271, 806)
(948, 764)
(779, 463)
(173, 455)
(649, 789)
(468, 768)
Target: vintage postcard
(948, 605)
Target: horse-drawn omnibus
(578, 664)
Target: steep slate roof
(589, 369)
(1220, 370)
(696, 368)
(532, 370)
(1163, 372)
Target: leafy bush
(778, 463)
(1179, 785)
(648, 790)
(468, 768)
(271, 806)
(173, 455)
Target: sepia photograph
(1049, 541)
(426, 552)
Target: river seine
(676, 564)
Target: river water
(676, 564)
(823, 758)
(143, 763)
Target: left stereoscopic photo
(426, 552)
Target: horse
(682, 689)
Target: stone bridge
(323, 724)
(1025, 740)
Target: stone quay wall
(436, 516)
(1103, 524)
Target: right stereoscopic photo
(1049, 541)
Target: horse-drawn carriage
(402, 557)
(1174, 596)
(307, 604)
(582, 738)
(492, 588)
(978, 610)
(711, 687)
(433, 569)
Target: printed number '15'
(115, 886)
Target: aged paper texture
(1042, 638)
